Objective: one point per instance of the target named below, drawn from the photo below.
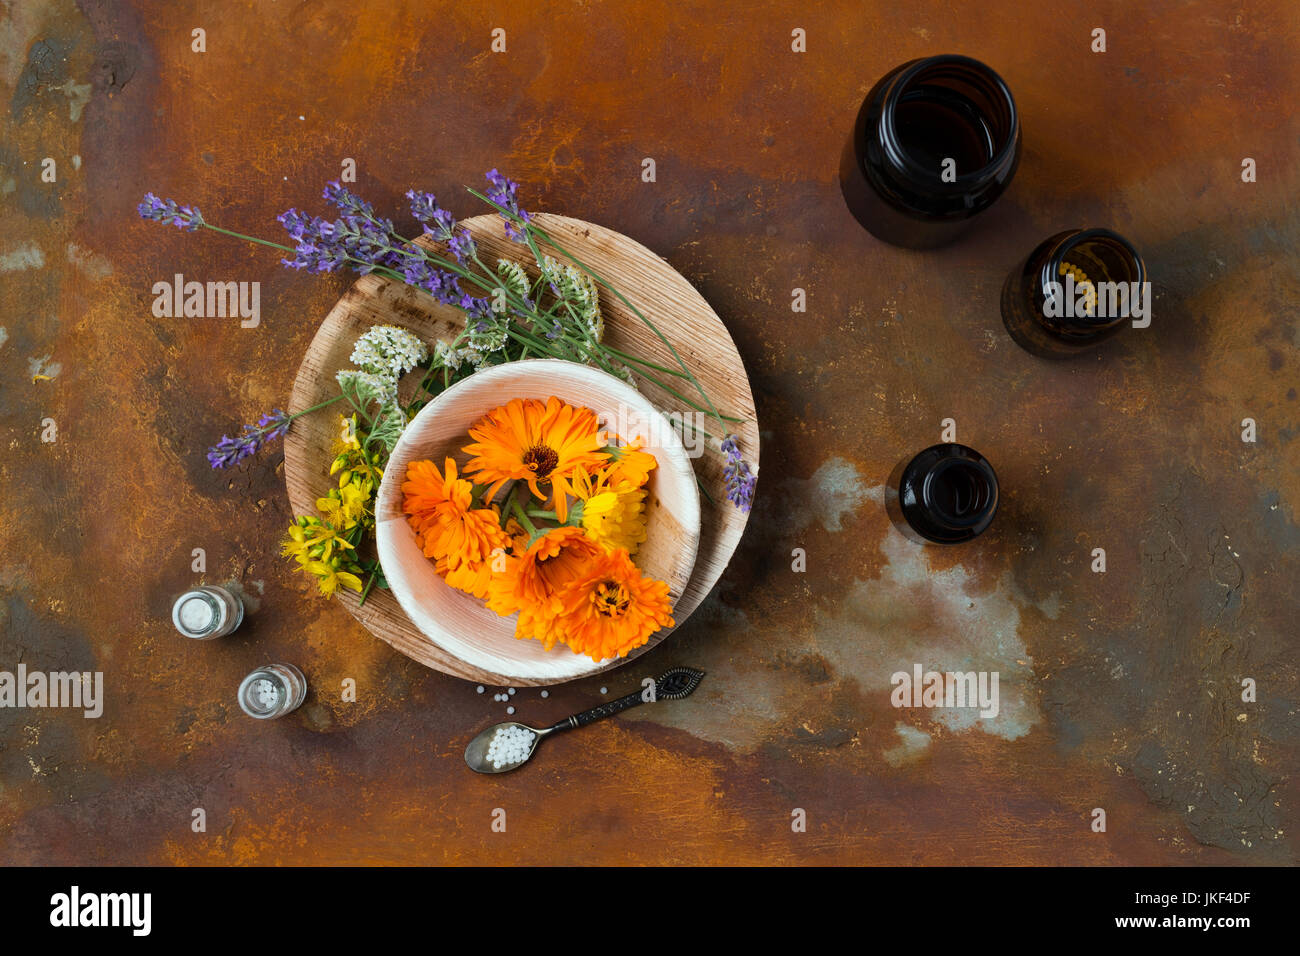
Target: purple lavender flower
(462, 246)
(167, 210)
(548, 326)
(437, 221)
(503, 194)
(478, 315)
(229, 451)
(418, 271)
(346, 200)
(319, 245)
(275, 423)
(323, 246)
(740, 481)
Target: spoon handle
(674, 684)
(600, 711)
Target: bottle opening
(1102, 277)
(958, 492)
(1108, 257)
(952, 108)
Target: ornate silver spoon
(511, 744)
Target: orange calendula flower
(611, 609)
(424, 490)
(530, 581)
(537, 443)
(472, 577)
(628, 463)
(438, 508)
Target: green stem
(523, 518)
(370, 582)
(328, 401)
(628, 357)
(240, 235)
(704, 491)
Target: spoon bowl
(476, 754)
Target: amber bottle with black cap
(1074, 291)
(947, 494)
(893, 171)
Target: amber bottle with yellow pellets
(1074, 291)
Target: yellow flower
(312, 541)
(331, 578)
(347, 439)
(350, 504)
(349, 452)
(611, 512)
(295, 545)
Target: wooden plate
(662, 295)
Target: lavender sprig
(739, 480)
(229, 451)
(169, 211)
(437, 221)
(346, 200)
(503, 194)
(366, 243)
(463, 247)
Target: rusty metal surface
(1120, 691)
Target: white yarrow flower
(388, 351)
(447, 356)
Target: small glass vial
(947, 494)
(936, 141)
(207, 612)
(272, 691)
(1074, 291)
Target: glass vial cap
(272, 691)
(207, 612)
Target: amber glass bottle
(1075, 290)
(947, 494)
(920, 114)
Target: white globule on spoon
(509, 745)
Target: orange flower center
(542, 459)
(610, 599)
